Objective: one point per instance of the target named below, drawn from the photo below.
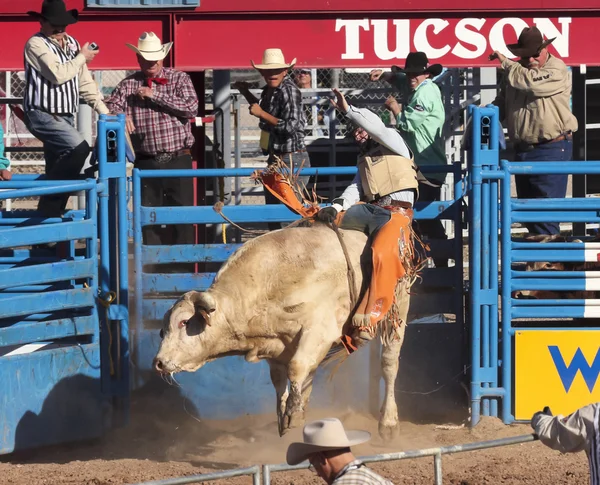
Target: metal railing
(437, 454)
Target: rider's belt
(387, 201)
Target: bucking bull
(283, 297)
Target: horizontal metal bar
(28, 332)
(46, 190)
(176, 282)
(205, 477)
(555, 275)
(66, 231)
(46, 273)
(544, 168)
(567, 302)
(575, 284)
(557, 311)
(555, 216)
(188, 253)
(47, 302)
(549, 255)
(542, 246)
(589, 203)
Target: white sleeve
(374, 126)
(350, 196)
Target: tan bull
(283, 297)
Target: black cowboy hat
(55, 12)
(530, 43)
(417, 63)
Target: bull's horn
(202, 301)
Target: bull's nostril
(158, 365)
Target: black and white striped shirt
(41, 93)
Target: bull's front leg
(280, 383)
(311, 351)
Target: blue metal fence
(492, 210)
(60, 367)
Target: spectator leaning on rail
(4, 162)
(326, 445)
(159, 103)
(579, 431)
(420, 121)
(534, 102)
(281, 115)
(56, 75)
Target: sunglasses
(303, 71)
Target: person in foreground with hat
(281, 116)
(579, 431)
(56, 75)
(534, 102)
(159, 103)
(420, 121)
(327, 446)
(387, 183)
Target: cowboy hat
(417, 63)
(150, 47)
(55, 12)
(324, 434)
(273, 59)
(530, 43)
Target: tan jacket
(42, 59)
(576, 432)
(535, 103)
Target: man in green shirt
(420, 121)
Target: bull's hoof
(291, 421)
(389, 433)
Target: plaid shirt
(356, 473)
(285, 104)
(161, 123)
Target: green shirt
(421, 122)
(4, 162)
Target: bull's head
(184, 328)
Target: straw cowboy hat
(418, 63)
(150, 47)
(273, 59)
(530, 43)
(324, 434)
(55, 12)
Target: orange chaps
(392, 247)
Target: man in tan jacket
(56, 75)
(576, 432)
(534, 102)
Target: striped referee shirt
(57, 75)
(579, 431)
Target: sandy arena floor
(164, 443)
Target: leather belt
(164, 157)
(527, 147)
(387, 201)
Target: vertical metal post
(222, 130)
(85, 120)
(487, 75)
(137, 256)
(475, 261)
(579, 97)
(266, 475)
(437, 468)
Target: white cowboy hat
(150, 47)
(324, 434)
(273, 59)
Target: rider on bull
(387, 182)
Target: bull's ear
(203, 303)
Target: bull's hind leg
(280, 383)
(390, 361)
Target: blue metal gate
(63, 320)
(499, 368)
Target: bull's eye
(183, 323)
(162, 334)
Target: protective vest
(383, 172)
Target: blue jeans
(65, 151)
(544, 186)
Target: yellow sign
(556, 368)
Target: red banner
(454, 42)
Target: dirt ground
(164, 442)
